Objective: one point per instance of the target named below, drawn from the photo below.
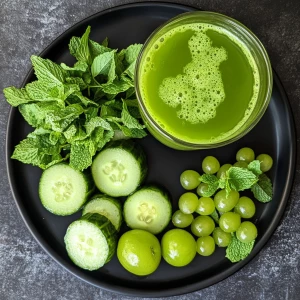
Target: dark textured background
(26, 271)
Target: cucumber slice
(63, 190)
(91, 241)
(107, 206)
(120, 168)
(149, 209)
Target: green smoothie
(199, 83)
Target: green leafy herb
(239, 179)
(77, 109)
(254, 167)
(212, 184)
(237, 250)
(263, 190)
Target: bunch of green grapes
(213, 219)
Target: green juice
(199, 83)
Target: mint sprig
(240, 179)
(77, 109)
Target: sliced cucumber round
(119, 168)
(63, 190)
(91, 241)
(107, 206)
(149, 209)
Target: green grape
(181, 220)
(205, 245)
(247, 232)
(245, 154)
(241, 164)
(266, 162)
(210, 165)
(226, 203)
(222, 238)
(188, 202)
(245, 207)
(206, 206)
(202, 226)
(189, 179)
(229, 221)
(202, 189)
(222, 170)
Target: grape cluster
(213, 220)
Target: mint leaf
(77, 80)
(80, 48)
(38, 151)
(74, 45)
(35, 113)
(42, 92)
(15, 96)
(137, 133)
(105, 138)
(239, 179)
(105, 42)
(254, 167)
(104, 64)
(47, 71)
(212, 184)
(132, 52)
(128, 120)
(130, 92)
(81, 154)
(79, 66)
(97, 49)
(237, 250)
(116, 87)
(96, 122)
(59, 120)
(263, 190)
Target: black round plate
(274, 134)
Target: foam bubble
(196, 82)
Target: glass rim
(246, 32)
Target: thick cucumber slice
(63, 190)
(107, 206)
(91, 241)
(120, 168)
(148, 208)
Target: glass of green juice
(203, 80)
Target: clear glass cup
(258, 53)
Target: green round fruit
(206, 245)
(247, 232)
(210, 165)
(245, 207)
(245, 154)
(139, 252)
(188, 202)
(206, 206)
(202, 189)
(266, 162)
(202, 226)
(230, 221)
(224, 202)
(190, 179)
(241, 164)
(178, 247)
(222, 238)
(181, 220)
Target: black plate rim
(176, 290)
